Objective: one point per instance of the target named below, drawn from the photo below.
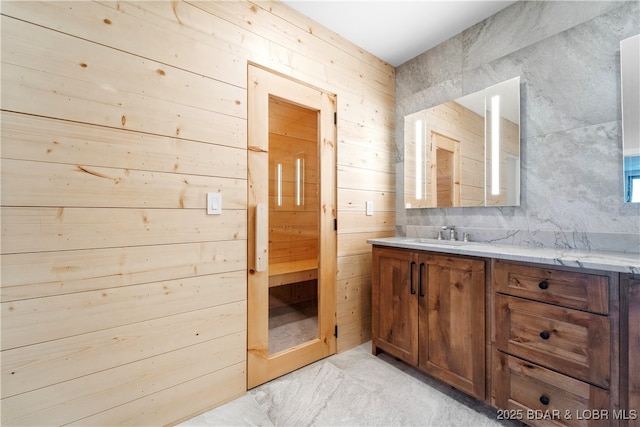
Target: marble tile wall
(567, 56)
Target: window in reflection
(635, 189)
(631, 169)
(630, 86)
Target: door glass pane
(293, 225)
(293, 315)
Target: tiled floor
(353, 388)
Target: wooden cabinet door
(395, 304)
(452, 321)
(630, 341)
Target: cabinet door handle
(543, 285)
(411, 288)
(544, 335)
(544, 400)
(420, 290)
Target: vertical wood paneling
(122, 302)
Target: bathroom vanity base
(561, 344)
(429, 311)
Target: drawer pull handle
(412, 289)
(544, 335)
(543, 285)
(544, 400)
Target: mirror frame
(630, 87)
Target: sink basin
(441, 242)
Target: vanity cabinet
(630, 349)
(556, 346)
(429, 311)
(562, 342)
(395, 303)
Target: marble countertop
(622, 262)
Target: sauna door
(291, 299)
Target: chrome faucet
(452, 232)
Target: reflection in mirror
(415, 177)
(502, 144)
(453, 156)
(630, 84)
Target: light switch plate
(214, 203)
(369, 205)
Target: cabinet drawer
(574, 342)
(540, 397)
(581, 291)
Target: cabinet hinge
(335, 331)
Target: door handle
(412, 290)
(420, 290)
(262, 237)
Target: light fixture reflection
(495, 145)
(279, 184)
(299, 181)
(418, 159)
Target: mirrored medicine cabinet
(630, 86)
(465, 152)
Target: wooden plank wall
(122, 302)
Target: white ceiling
(397, 31)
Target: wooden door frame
(452, 145)
(262, 84)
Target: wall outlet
(369, 205)
(214, 203)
